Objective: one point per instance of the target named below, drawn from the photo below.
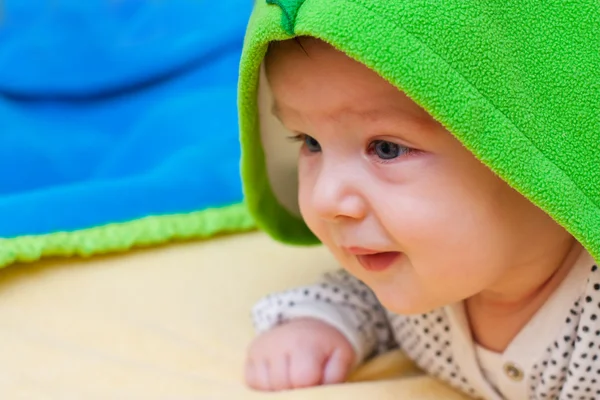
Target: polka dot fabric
(426, 340)
(568, 369)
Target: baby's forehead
(312, 74)
(367, 111)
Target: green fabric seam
(117, 237)
(289, 12)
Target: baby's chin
(407, 302)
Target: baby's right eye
(310, 142)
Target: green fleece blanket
(517, 82)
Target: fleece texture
(517, 82)
(118, 124)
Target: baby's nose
(336, 195)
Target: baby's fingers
(279, 372)
(306, 369)
(257, 374)
(337, 366)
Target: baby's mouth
(378, 261)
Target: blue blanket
(112, 111)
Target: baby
(440, 256)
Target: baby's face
(378, 174)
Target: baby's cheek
(440, 246)
(304, 202)
(310, 218)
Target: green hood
(517, 82)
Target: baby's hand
(301, 353)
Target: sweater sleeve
(338, 299)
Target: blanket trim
(119, 237)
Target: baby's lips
(378, 261)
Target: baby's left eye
(387, 150)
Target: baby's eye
(311, 144)
(387, 150)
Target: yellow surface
(163, 323)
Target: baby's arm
(315, 334)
